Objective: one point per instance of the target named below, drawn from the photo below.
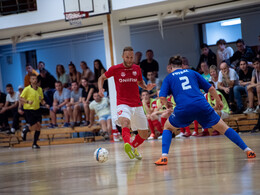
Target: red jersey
(126, 83)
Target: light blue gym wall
(87, 47)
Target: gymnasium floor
(205, 165)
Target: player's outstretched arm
(101, 80)
(146, 87)
(219, 105)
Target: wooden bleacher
(53, 136)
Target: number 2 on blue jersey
(186, 84)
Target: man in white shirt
(10, 108)
(227, 79)
(100, 107)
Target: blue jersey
(185, 85)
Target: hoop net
(75, 18)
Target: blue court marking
(12, 163)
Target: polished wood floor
(206, 165)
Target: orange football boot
(251, 154)
(162, 161)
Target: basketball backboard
(78, 5)
(101, 7)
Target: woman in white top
(61, 75)
(223, 52)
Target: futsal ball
(101, 155)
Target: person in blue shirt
(185, 85)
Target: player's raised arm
(101, 80)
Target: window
(230, 30)
(8, 7)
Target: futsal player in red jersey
(130, 113)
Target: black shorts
(33, 116)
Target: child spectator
(100, 107)
(152, 79)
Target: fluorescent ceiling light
(231, 22)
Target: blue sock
(166, 141)
(234, 137)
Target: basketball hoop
(75, 18)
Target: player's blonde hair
(176, 61)
(128, 48)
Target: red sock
(126, 135)
(182, 130)
(187, 129)
(206, 130)
(196, 126)
(158, 125)
(151, 126)
(163, 120)
(137, 141)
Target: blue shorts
(104, 117)
(60, 110)
(205, 115)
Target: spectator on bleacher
(206, 56)
(138, 57)
(31, 98)
(245, 75)
(41, 65)
(47, 82)
(100, 107)
(224, 113)
(227, 79)
(213, 71)
(205, 69)
(61, 98)
(10, 109)
(87, 97)
(152, 79)
(75, 107)
(185, 63)
(2, 103)
(243, 51)
(74, 74)
(30, 71)
(62, 76)
(254, 86)
(98, 71)
(223, 52)
(149, 64)
(87, 73)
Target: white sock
(247, 149)
(164, 155)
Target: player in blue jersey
(185, 85)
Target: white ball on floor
(101, 155)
